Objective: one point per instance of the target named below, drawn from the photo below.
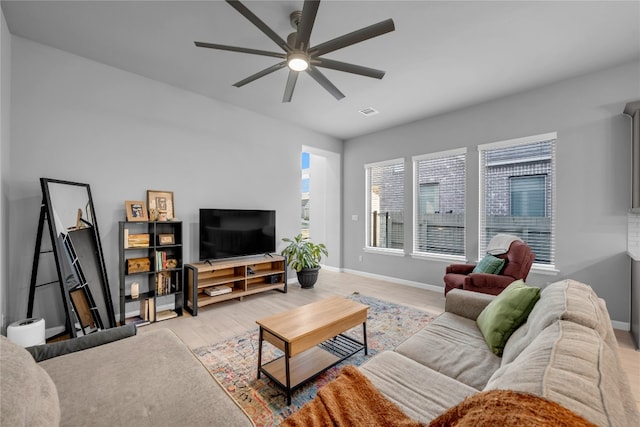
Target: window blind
(439, 203)
(517, 193)
(385, 204)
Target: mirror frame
(109, 322)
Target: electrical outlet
(360, 258)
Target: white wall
(78, 120)
(593, 178)
(5, 99)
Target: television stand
(245, 276)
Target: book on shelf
(163, 283)
(152, 310)
(148, 310)
(218, 290)
(161, 260)
(166, 314)
(144, 309)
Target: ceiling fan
(298, 56)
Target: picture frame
(162, 202)
(166, 239)
(136, 211)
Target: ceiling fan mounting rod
(294, 18)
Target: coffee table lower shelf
(310, 363)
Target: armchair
(518, 261)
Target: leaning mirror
(82, 272)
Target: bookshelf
(243, 276)
(151, 271)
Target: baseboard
(395, 280)
(293, 280)
(623, 326)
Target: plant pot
(307, 277)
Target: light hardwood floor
(221, 321)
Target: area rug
(234, 362)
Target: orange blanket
(350, 400)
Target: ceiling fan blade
(258, 23)
(324, 82)
(348, 68)
(309, 12)
(262, 73)
(291, 85)
(240, 49)
(353, 38)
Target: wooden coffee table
(312, 341)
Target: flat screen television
(228, 233)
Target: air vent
(368, 111)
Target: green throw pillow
(502, 316)
(489, 264)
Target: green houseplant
(304, 257)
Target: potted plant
(304, 257)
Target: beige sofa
(151, 379)
(565, 352)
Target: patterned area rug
(234, 362)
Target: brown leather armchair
(518, 261)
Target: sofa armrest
(460, 268)
(47, 351)
(466, 303)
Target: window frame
(416, 205)
(375, 249)
(548, 268)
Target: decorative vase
(307, 277)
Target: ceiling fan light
(298, 61)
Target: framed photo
(136, 211)
(162, 202)
(166, 239)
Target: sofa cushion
(572, 365)
(29, 396)
(564, 300)
(507, 408)
(454, 346)
(489, 264)
(419, 391)
(506, 313)
(151, 379)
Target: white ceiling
(444, 55)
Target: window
(385, 204)
(439, 220)
(517, 193)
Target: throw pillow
(489, 264)
(508, 408)
(502, 316)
